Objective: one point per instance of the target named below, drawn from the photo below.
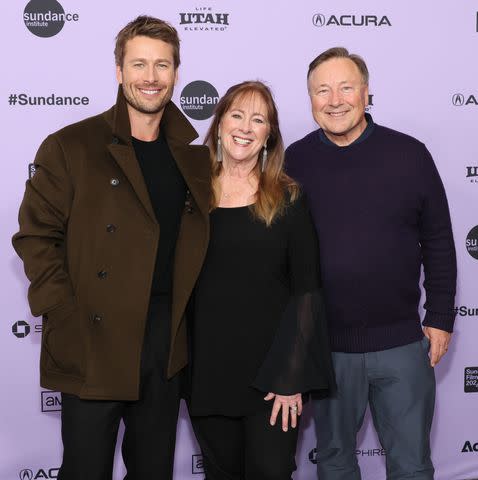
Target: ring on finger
(293, 408)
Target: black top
(259, 325)
(381, 211)
(167, 191)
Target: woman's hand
(290, 404)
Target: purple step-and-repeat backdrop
(422, 59)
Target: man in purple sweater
(381, 212)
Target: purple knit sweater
(381, 212)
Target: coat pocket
(63, 340)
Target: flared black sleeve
(299, 360)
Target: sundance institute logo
(472, 242)
(198, 100)
(46, 18)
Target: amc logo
(50, 402)
(197, 464)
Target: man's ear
(119, 74)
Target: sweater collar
(365, 134)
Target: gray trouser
(399, 385)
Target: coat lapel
(126, 160)
(195, 171)
(194, 165)
(179, 133)
(122, 151)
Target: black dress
(259, 321)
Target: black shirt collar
(365, 134)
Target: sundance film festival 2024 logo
(321, 20)
(198, 100)
(471, 379)
(46, 18)
(204, 19)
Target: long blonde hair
(276, 189)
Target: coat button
(114, 182)
(102, 274)
(189, 206)
(110, 228)
(97, 318)
(115, 140)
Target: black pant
(90, 427)
(245, 448)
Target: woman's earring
(264, 158)
(219, 149)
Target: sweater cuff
(442, 321)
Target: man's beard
(144, 108)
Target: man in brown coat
(113, 233)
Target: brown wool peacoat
(88, 238)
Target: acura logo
(458, 99)
(26, 474)
(318, 20)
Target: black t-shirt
(167, 191)
(258, 322)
